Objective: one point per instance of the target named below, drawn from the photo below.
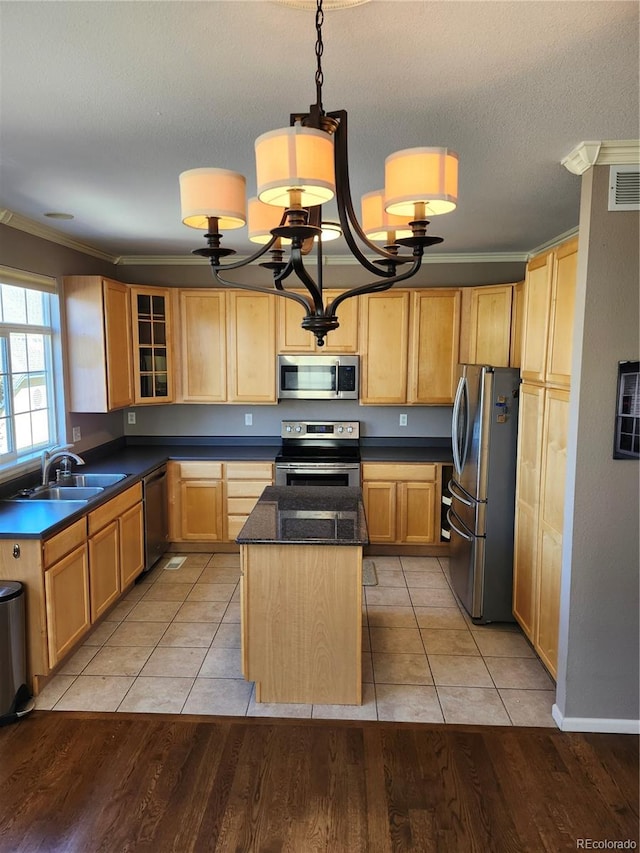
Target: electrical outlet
(131, 417)
(248, 419)
(403, 420)
(76, 435)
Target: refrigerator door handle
(456, 494)
(455, 437)
(457, 530)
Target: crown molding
(36, 229)
(328, 260)
(551, 244)
(611, 153)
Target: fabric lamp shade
(213, 192)
(417, 176)
(377, 224)
(296, 160)
(262, 219)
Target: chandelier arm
(375, 286)
(256, 288)
(314, 291)
(346, 211)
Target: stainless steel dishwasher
(156, 525)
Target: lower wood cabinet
(195, 501)
(542, 450)
(66, 590)
(210, 501)
(401, 501)
(74, 576)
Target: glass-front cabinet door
(152, 345)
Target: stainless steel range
(319, 453)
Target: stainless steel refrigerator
(481, 516)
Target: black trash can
(15, 698)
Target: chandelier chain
(319, 51)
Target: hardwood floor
(115, 783)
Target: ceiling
(103, 104)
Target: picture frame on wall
(627, 423)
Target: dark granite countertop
(307, 515)
(141, 455)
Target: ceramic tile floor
(173, 646)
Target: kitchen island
(301, 594)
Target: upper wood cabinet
(548, 316)
(98, 336)
(226, 346)
(490, 325)
(563, 292)
(152, 338)
(251, 342)
(292, 338)
(433, 346)
(384, 328)
(203, 346)
(409, 346)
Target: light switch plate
(131, 417)
(76, 435)
(248, 419)
(403, 420)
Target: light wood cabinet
(536, 320)
(552, 485)
(531, 411)
(196, 501)
(491, 324)
(104, 569)
(227, 346)
(244, 483)
(67, 603)
(98, 336)
(251, 355)
(152, 340)
(433, 346)
(563, 291)
(384, 328)
(542, 447)
(409, 346)
(203, 346)
(131, 529)
(400, 502)
(292, 338)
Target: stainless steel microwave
(318, 377)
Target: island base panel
(302, 622)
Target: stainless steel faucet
(50, 456)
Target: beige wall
(599, 663)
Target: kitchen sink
(100, 480)
(65, 493)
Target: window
(28, 416)
(627, 437)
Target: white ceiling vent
(624, 187)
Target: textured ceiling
(103, 104)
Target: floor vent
(369, 575)
(174, 563)
(624, 187)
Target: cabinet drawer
(249, 471)
(65, 541)
(114, 508)
(200, 470)
(405, 471)
(240, 506)
(235, 523)
(246, 488)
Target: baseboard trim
(594, 724)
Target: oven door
(317, 474)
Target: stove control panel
(321, 429)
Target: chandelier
(299, 168)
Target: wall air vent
(624, 187)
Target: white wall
(599, 662)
